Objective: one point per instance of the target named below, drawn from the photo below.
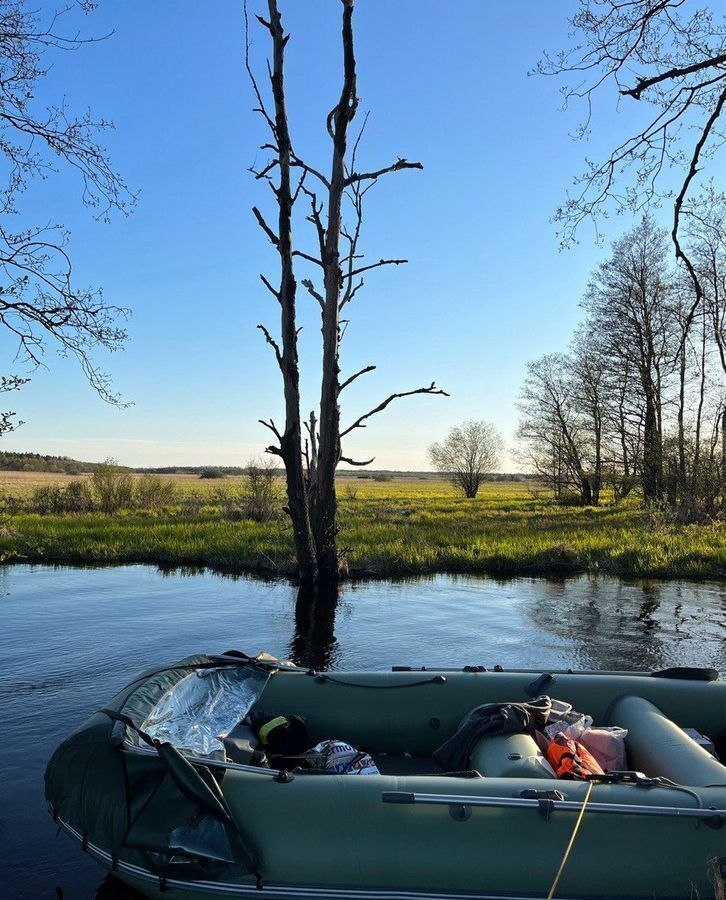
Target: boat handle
(718, 816)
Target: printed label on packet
(346, 760)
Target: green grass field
(401, 527)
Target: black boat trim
(677, 673)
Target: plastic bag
(563, 712)
(571, 728)
(344, 759)
(606, 744)
(570, 759)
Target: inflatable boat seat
(655, 745)
(509, 756)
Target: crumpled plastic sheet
(204, 707)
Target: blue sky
(486, 288)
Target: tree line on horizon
(17, 461)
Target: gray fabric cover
(128, 804)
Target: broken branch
(353, 377)
(381, 262)
(300, 164)
(270, 288)
(306, 282)
(307, 256)
(274, 239)
(431, 389)
(692, 171)
(273, 343)
(356, 462)
(372, 176)
(350, 293)
(273, 428)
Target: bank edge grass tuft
(397, 528)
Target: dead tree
(310, 471)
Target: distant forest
(37, 462)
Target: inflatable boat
(169, 786)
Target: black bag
(281, 735)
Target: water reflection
(633, 625)
(71, 638)
(314, 645)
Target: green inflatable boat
(172, 785)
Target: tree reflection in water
(314, 645)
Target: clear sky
(486, 288)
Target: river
(71, 637)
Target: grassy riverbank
(401, 527)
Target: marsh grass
(394, 528)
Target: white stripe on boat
(273, 891)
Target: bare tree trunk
(681, 479)
(699, 412)
(622, 428)
(312, 501)
(313, 644)
(324, 499)
(597, 475)
(290, 441)
(652, 458)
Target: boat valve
(460, 812)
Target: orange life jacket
(570, 759)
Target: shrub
(260, 499)
(231, 503)
(54, 499)
(77, 497)
(113, 487)
(211, 473)
(47, 499)
(154, 492)
(350, 492)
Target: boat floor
(390, 764)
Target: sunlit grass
(387, 528)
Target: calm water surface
(70, 638)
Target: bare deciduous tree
(468, 453)
(670, 57)
(41, 303)
(636, 401)
(632, 308)
(338, 267)
(555, 441)
(588, 371)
